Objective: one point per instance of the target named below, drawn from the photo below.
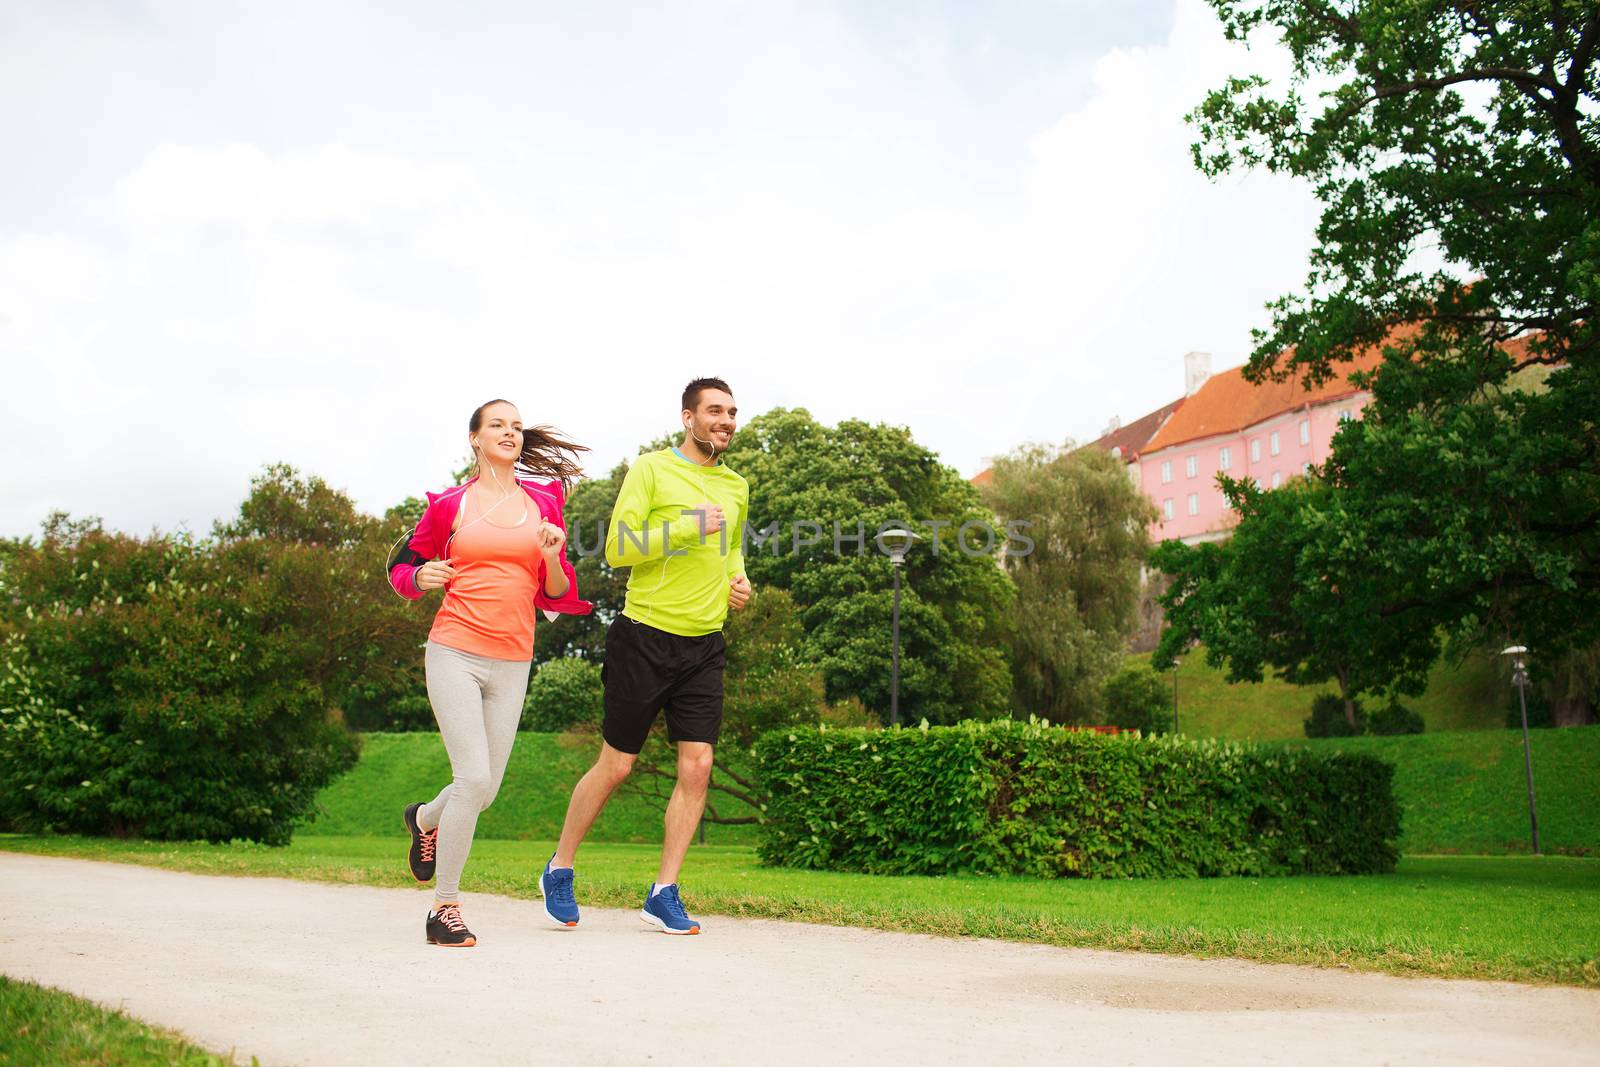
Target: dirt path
(298, 973)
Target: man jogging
(679, 524)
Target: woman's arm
(420, 547)
(558, 582)
(553, 568)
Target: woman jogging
(496, 545)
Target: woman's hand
(552, 542)
(433, 574)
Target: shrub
(1136, 698)
(1395, 718)
(561, 694)
(168, 687)
(380, 709)
(1009, 797)
(1328, 718)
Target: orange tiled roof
(1226, 403)
(983, 477)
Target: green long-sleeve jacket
(679, 581)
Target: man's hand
(738, 591)
(710, 517)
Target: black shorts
(646, 670)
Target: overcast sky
(322, 233)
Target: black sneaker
(422, 846)
(446, 928)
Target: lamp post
(1519, 678)
(896, 542)
(1176, 661)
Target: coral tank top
(488, 606)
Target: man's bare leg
(589, 798)
(683, 810)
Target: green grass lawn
(1466, 792)
(42, 1027)
(1472, 696)
(397, 769)
(1517, 918)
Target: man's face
(714, 419)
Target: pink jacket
(427, 542)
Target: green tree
(1078, 589)
(283, 506)
(170, 687)
(1137, 698)
(1570, 685)
(1292, 590)
(1460, 134)
(365, 640)
(809, 482)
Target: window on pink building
(1194, 503)
(1275, 447)
(1224, 459)
(1166, 508)
(1255, 450)
(1191, 466)
(1305, 431)
(1277, 479)
(1166, 471)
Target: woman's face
(499, 435)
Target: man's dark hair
(692, 391)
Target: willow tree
(1078, 587)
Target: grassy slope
(1471, 696)
(397, 769)
(1466, 792)
(49, 1028)
(1519, 918)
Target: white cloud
(820, 221)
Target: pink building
(1270, 432)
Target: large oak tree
(1455, 149)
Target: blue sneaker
(664, 911)
(556, 888)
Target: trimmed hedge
(1008, 797)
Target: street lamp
(1519, 678)
(1176, 662)
(897, 543)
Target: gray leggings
(478, 703)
